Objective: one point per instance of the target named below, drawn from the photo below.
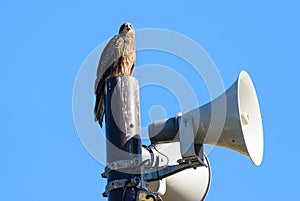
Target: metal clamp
(120, 183)
(187, 146)
(121, 164)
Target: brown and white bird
(117, 59)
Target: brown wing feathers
(117, 59)
(99, 109)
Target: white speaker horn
(188, 185)
(233, 120)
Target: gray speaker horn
(232, 120)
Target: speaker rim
(250, 141)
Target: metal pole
(123, 145)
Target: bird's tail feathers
(99, 109)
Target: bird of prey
(117, 59)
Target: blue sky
(44, 44)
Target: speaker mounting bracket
(157, 173)
(190, 152)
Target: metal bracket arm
(163, 172)
(120, 183)
(187, 145)
(121, 164)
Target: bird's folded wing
(111, 54)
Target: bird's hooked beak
(127, 27)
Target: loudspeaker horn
(188, 185)
(232, 120)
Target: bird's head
(126, 27)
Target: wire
(133, 184)
(167, 158)
(124, 190)
(151, 153)
(156, 165)
(157, 169)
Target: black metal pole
(123, 146)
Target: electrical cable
(151, 153)
(167, 158)
(124, 190)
